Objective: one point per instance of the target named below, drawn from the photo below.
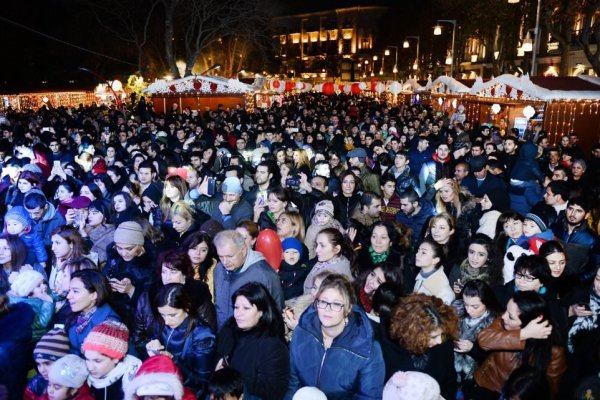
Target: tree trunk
(169, 37)
(565, 60)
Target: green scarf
(378, 258)
(468, 273)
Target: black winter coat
(344, 206)
(263, 361)
(292, 278)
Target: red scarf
(365, 300)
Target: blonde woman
(184, 222)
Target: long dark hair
(174, 295)
(18, 251)
(493, 264)
(271, 321)
(94, 282)
(194, 240)
(537, 352)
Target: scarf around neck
(378, 258)
(468, 273)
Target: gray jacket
(255, 269)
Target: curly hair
(416, 316)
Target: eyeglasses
(526, 278)
(324, 305)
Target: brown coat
(504, 347)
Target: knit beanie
(25, 282)
(411, 385)
(325, 206)
(309, 393)
(108, 338)
(292, 243)
(129, 232)
(19, 214)
(69, 371)
(153, 193)
(232, 185)
(52, 346)
(100, 167)
(157, 376)
(543, 216)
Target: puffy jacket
(431, 171)
(526, 167)
(49, 222)
(344, 206)
(524, 195)
(352, 368)
(240, 211)
(479, 189)
(36, 388)
(505, 347)
(101, 237)
(193, 352)
(405, 181)
(418, 220)
(44, 311)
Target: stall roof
(199, 84)
(567, 83)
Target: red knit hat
(108, 338)
(100, 167)
(157, 376)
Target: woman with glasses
(252, 342)
(333, 348)
(532, 274)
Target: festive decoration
(199, 84)
(289, 86)
(496, 108)
(355, 89)
(395, 87)
(328, 88)
(269, 244)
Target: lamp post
(536, 43)
(438, 31)
(387, 53)
(406, 45)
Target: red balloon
(289, 86)
(328, 88)
(355, 89)
(269, 244)
(276, 84)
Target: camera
(293, 181)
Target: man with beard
(580, 241)
(266, 177)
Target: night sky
(31, 61)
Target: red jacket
(84, 393)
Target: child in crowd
(17, 222)
(67, 380)
(536, 228)
(158, 378)
(52, 346)
(29, 287)
(322, 219)
(111, 369)
(226, 384)
(293, 270)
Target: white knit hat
(411, 385)
(69, 371)
(309, 393)
(25, 282)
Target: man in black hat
(480, 182)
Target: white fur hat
(411, 385)
(309, 393)
(25, 282)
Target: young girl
(158, 378)
(111, 369)
(29, 287)
(322, 219)
(180, 335)
(480, 263)
(432, 280)
(123, 208)
(67, 379)
(17, 222)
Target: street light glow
(387, 52)
(437, 31)
(406, 45)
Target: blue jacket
(102, 313)
(526, 167)
(582, 258)
(352, 368)
(479, 189)
(35, 248)
(416, 221)
(49, 222)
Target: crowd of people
(329, 247)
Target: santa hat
(157, 376)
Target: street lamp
(536, 44)
(406, 45)
(395, 69)
(438, 31)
